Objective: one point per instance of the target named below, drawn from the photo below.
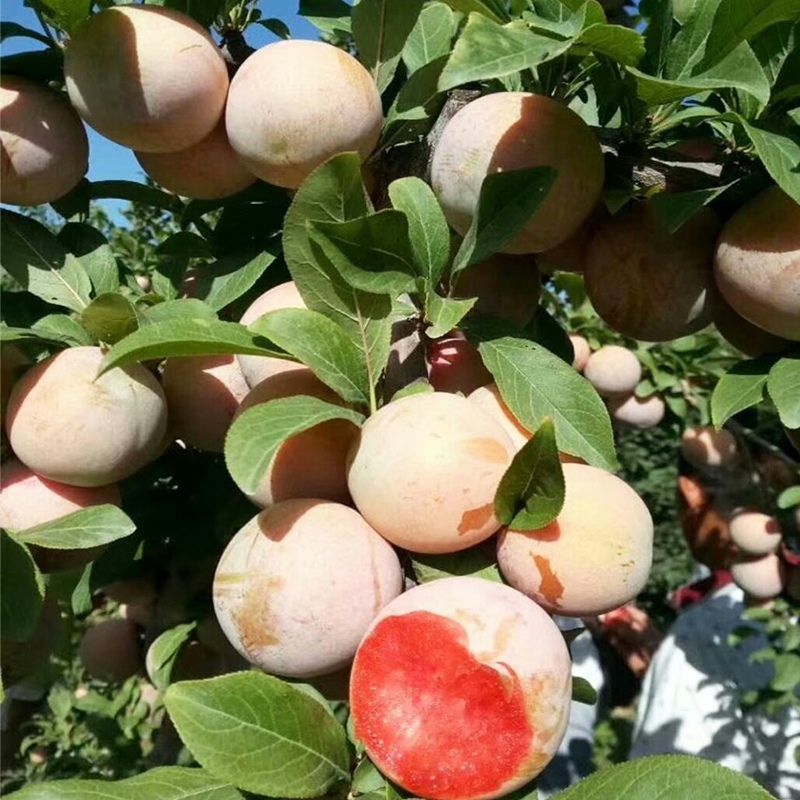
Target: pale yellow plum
(511, 131)
(298, 586)
(461, 689)
(425, 469)
(256, 368)
(594, 557)
(70, 426)
(755, 533)
(638, 412)
(650, 284)
(581, 352)
(743, 335)
(455, 365)
(757, 263)
(294, 104)
(761, 577)
(613, 370)
(43, 144)
(27, 499)
(111, 650)
(703, 446)
(312, 463)
(149, 78)
(203, 393)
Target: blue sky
(109, 161)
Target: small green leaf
(583, 691)
(491, 9)
(479, 562)
(94, 253)
(531, 492)
(789, 497)
(783, 385)
(255, 436)
(623, 45)
(87, 527)
(161, 783)
(110, 317)
(330, 16)
(369, 783)
(185, 243)
(787, 673)
(23, 589)
(262, 734)
(67, 14)
(444, 313)
(184, 308)
(9, 334)
(321, 345)
(507, 202)
(741, 387)
(780, 153)
(226, 280)
(430, 37)
(677, 208)
(163, 652)
(64, 326)
(276, 26)
(372, 253)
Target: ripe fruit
(516, 130)
(43, 145)
(754, 533)
(27, 499)
(762, 577)
(455, 365)
(309, 464)
(647, 283)
(570, 255)
(460, 690)
(111, 650)
(638, 412)
(757, 263)
(581, 352)
(295, 104)
(148, 78)
(743, 335)
(425, 470)
(70, 426)
(506, 286)
(256, 368)
(208, 170)
(707, 447)
(594, 557)
(613, 370)
(203, 393)
(297, 587)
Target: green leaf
(9, 334)
(428, 231)
(491, 9)
(506, 203)
(657, 36)
(163, 652)
(531, 492)
(783, 385)
(430, 37)
(479, 562)
(330, 16)
(23, 589)
(260, 733)
(367, 780)
(67, 14)
(536, 384)
(135, 193)
(227, 279)
(780, 153)
(37, 260)
(276, 26)
(65, 326)
(110, 317)
(548, 332)
(11, 29)
(184, 308)
(334, 193)
(162, 783)
(583, 691)
(789, 497)
(372, 253)
(184, 337)
(185, 243)
(94, 253)
(380, 30)
(739, 388)
(255, 436)
(787, 673)
(623, 45)
(87, 527)
(677, 208)
(444, 313)
(321, 345)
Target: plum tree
(27, 499)
(581, 352)
(208, 170)
(757, 263)
(203, 393)
(43, 144)
(594, 557)
(70, 426)
(312, 463)
(410, 455)
(111, 650)
(297, 587)
(638, 412)
(761, 577)
(755, 533)
(613, 370)
(149, 78)
(256, 368)
(280, 94)
(703, 446)
(461, 689)
(648, 283)
(515, 130)
(455, 365)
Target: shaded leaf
(479, 562)
(185, 308)
(110, 317)
(330, 16)
(23, 589)
(94, 253)
(163, 652)
(87, 527)
(444, 313)
(739, 388)
(783, 385)
(583, 691)
(780, 153)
